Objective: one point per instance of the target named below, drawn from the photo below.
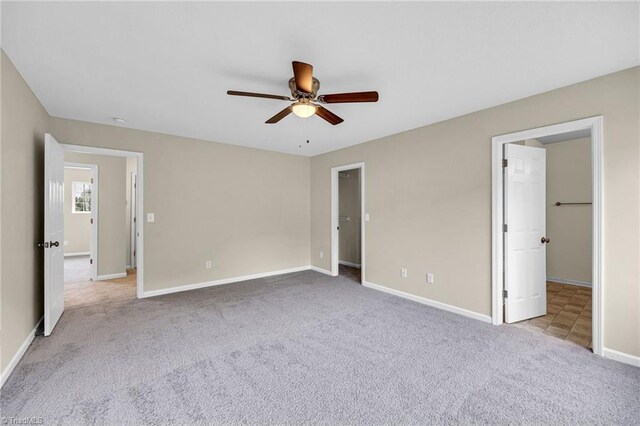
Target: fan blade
(339, 98)
(303, 74)
(258, 95)
(328, 115)
(279, 116)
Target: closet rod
(558, 203)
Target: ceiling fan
(304, 95)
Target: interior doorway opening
(549, 290)
(112, 276)
(80, 221)
(547, 231)
(98, 254)
(347, 222)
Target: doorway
(535, 284)
(112, 278)
(80, 221)
(347, 222)
(67, 283)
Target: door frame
(93, 234)
(139, 200)
(335, 219)
(595, 125)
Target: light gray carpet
(77, 269)
(308, 348)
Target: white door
(525, 239)
(53, 232)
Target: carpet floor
(308, 348)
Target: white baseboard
(82, 253)
(621, 356)
(18, 356)
(322, 271)
(570, 282)
(353, 265)
(223, 281)
(111, 276)
(429, 302)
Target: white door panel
(525, 216)
(53, 233)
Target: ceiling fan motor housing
(296, 94)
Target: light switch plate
(366, 217)
(151, 217)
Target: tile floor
(568, 314)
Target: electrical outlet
(429, 278)
(321, 255)
(207, 264)
(151, 217)
(403, 272)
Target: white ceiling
(166, 67)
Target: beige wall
(569, 177)
(112, 206)
(436, 182)
(245, 223)
(24, 123)
(77, 226)
(349, 206)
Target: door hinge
(134, 220)
(92, 180)
(90, 261)
(92, 221)
(505, 162)
(505, 294)
(505, 227)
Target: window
(81, 197)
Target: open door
(524, 237)
(53, 233)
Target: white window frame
(73, 197)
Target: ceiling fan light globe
(303, 110)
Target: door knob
(545, 240)
(54, 243)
